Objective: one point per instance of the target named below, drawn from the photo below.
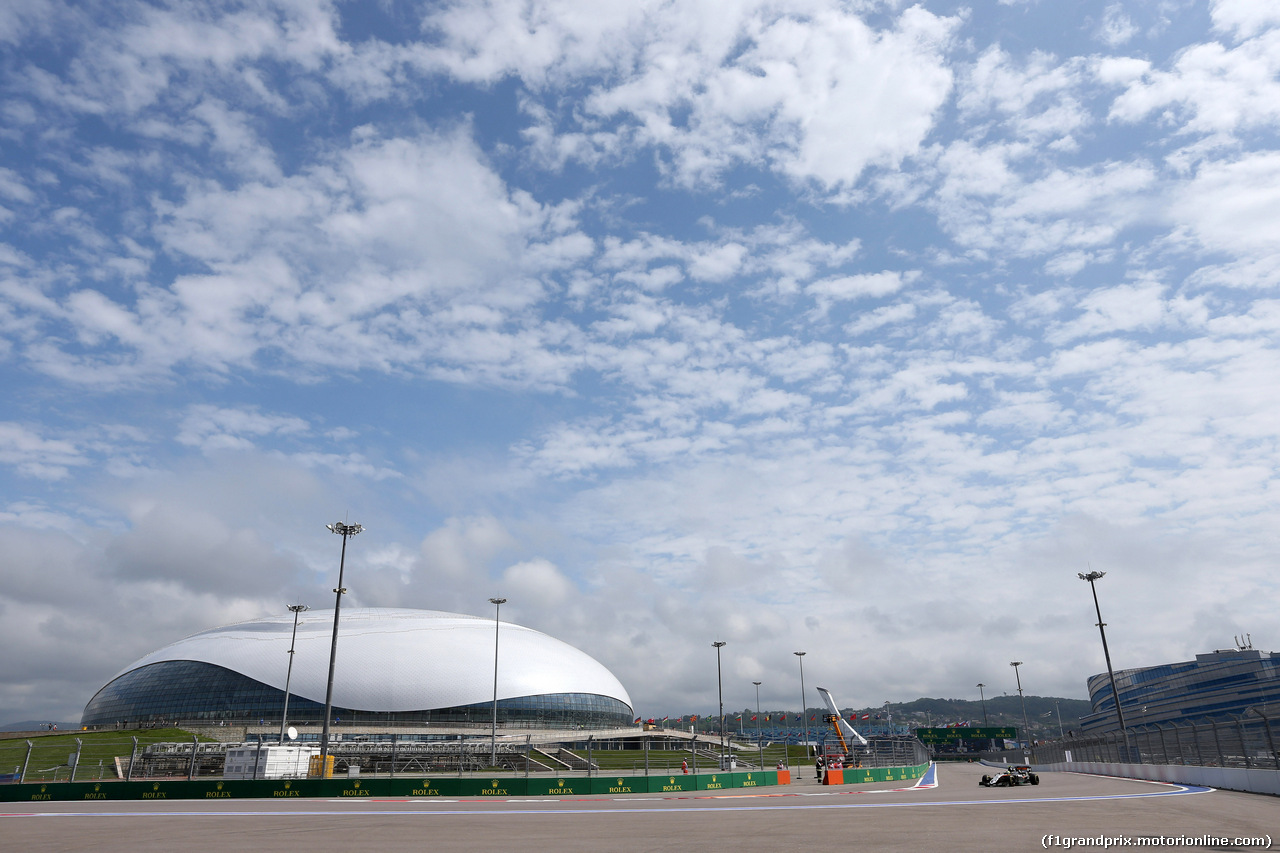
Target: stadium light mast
(719, 644)
(1106, 653)
(1015, 664)
(803, 713)
(983, 697)
(346, 531)
(284, 715)
(759, 739)
(493, 731)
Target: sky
(853, 328)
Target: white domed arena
(393, 667)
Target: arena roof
(397, 660)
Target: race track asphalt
(957, 815)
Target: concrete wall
(1227, 778)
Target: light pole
(1091, 577)
(719, 644)
(295, 609)
(803, 712)
(983, 697)
(345, 531)
(1026, 725)
(759, 739)
(493, 731)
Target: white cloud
(538, 584)
(35, 456)
(997, 82)
(1210, 88)
(1231, 207)
(880, 317)
(851, 287)
(394, 253)
(1244, 18)
(796, 87)
(1127, 307)
(621, 310)
(464, 545)
(1116, 27)
(212, 428)
(127, 68)
(1060, 211)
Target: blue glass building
(1217, 685)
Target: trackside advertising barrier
(403, 787)
(863, 775)
(399, 787)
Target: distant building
(1219, 684)
(393, 667)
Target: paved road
(957, 815)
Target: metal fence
(899, 751)
(1246, 741)
(128, 759)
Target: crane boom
(843, 729)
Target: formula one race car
(1018, 774)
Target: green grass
(97, 754)
(789, 754)
(619, 760)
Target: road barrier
(399, 787)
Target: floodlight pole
(493, 731)
(284, 715)
(1015, 664)
(345, 531)
(983, 697)
(804, 719)
(719, 644)
(759, 739)
(1106, 653)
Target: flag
(637, 722)
(866, 716)
(753, 718)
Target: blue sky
(857, 328)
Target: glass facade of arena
(191, 691)
(1220, 684)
